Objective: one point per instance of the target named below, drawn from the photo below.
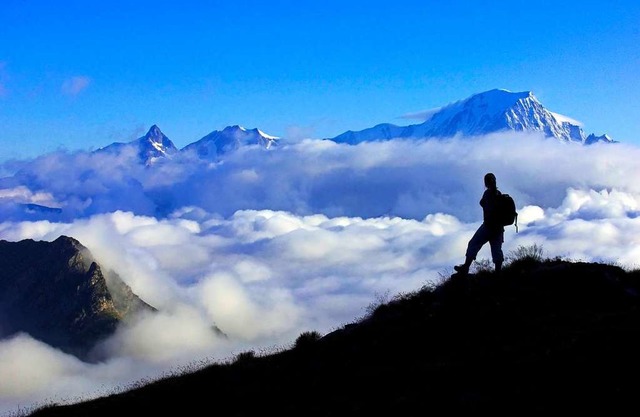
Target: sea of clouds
(307, 236)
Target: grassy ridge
(547, 335)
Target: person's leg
(479, 238)
(496, 250)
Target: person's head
(490, 181)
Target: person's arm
(484, 200)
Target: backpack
(506, 210)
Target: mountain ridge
(231, 138)
(546, 335)
(492, 111)
(496, 110)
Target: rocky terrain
(57, 293)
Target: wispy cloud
(421, 116)
(270, 244)
(75, 85)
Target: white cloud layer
(269, 244)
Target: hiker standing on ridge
(491, 230)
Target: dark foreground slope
(546, 336)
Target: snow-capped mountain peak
(497, 110)
(153, 145)
(235, 129)
(492, 102)
(229, 139)
(155, 137)
(492, 111)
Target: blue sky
(80, 75)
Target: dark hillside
(56, 292)
(547, 336)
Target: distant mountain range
(492, 111)
(156, 145)
(489, 112)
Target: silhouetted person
(489, 231)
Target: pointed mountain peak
(155, 144)
(497, 110)
(155, 134)
(229, 139)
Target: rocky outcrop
(57, 293)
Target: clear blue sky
(83, 74)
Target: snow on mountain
(496, 110)
(230, 138)
(488, 112)
(153, 145)
(591, 139)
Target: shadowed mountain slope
(57, 292)
(545, 336)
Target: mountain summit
(153, 145)
(229, 139)
(492, 111)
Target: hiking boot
(462, 269)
